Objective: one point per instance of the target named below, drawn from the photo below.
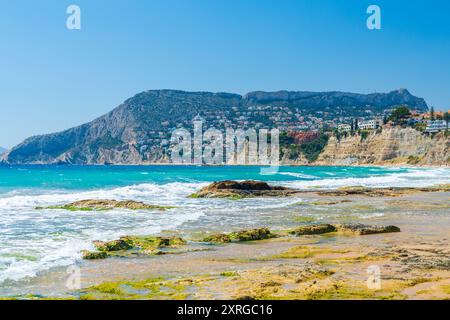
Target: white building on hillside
(436, 126)
(344, 128)
(369, 125)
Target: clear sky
(52, 78)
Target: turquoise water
(32, 240)
(91, 177)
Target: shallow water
(36, 240)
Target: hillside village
(310, 146)
(430, 122)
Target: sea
(35, 240)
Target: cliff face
(393, 146)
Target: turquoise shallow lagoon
(34, 240)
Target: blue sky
(52, 78)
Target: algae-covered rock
(238, 236)
(356, 229)
(93, 255)
(251, 235)
(114, 245)
(238, 190)
(101, 205)
(218, 238)
(150, 243)
(132, 245)
(313, 229)
(362, 229)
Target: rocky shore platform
(402, 254)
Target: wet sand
(413, 264)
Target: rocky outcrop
(94, 255)
(239, 190)
(241, 236)
(144, 245)
(313, 229)
(114, 245)
(362, 229)
(381, 192)
(102, 205)
(354, 229)
(392, 146)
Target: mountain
(139, 130)
(2, 150)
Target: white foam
(411, 178)
(25, 229)
(298, 175)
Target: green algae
(304, 252)
(148, 289)
(229, 274)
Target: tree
(400, 115)
(432, 118)
(446, 119)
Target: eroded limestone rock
(102, 204)
(239, 190)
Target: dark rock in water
(91, 255)
(239, 190)
(362, 229)
(245, 185)
(313, 229)
(114, 245)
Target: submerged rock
(102, 204)
(313, 229)
(362, 229)
(92, 255)
(238, 190)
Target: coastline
(162, 164)
(287, 267)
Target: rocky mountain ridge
(138, 131)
